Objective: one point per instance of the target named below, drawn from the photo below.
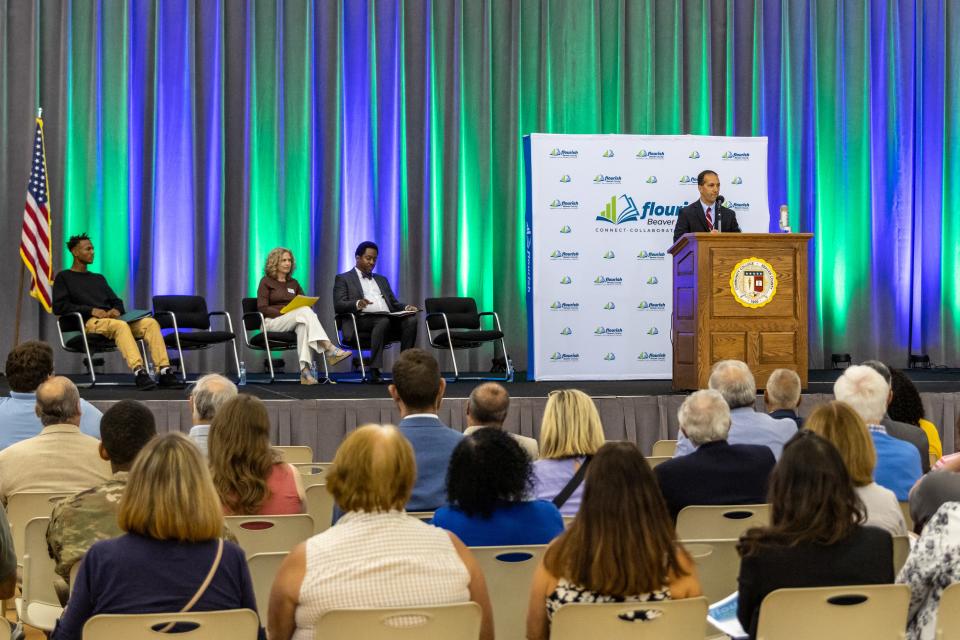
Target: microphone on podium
(720, 201)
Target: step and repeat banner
(600, 217)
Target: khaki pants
(126, 336)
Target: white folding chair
(905, 509)
(233, 624)
(265, 534)
(718, 565)
(901, 549)
(5, 630)
(668, 620)
(441, 622)
(295, 453)
(568, 520)
(653, 461)
(312, 473)
(509, 573)
(877, 611)
(320, 507)
(720, 522)
(664, 448)
(948, 613)
(24, 507)
(39, 605)
(426, 516)
(263, 569)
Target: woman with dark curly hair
(907, 407)
(815, 537)
(489, 481)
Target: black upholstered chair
(189, 320)
(453, 324)
(257, 338)
(359, 343)
(75, 339)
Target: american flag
(35, 238)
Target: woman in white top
(933, 565)
(376, 556)
(841, 425)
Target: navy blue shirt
(136, 574)
(512, 523)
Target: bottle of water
(313, 370)
(243, 375)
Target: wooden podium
(740, 296)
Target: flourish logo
(608, 153)
(611, 215)
(694, 155)
(609, 255)
(653, 280)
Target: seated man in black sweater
(78, 289)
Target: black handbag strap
(572, 485)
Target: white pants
(308, 329)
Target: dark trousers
(376, 331)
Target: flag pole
(16, 326)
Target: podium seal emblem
(753, 282)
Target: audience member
(8, 559)
(898, 462)
(899, 430)
(247, 472)
(91, 515)
(59, 458)
(717, 472)
(29, 364)
(377, 556)
(932, 566)
(171, 549)
(907, 407)
(736, 384)
(843, 427)
(815, 537)
(488, 483)
(487, 406)
(209, 393)
(570, 434)
(621, 547)
(933, 490)
(783, 395)
(418, 391)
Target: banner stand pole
(16, 327)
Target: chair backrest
(653, 461)
(901, 549)
(250, 323)
(878, 612)
(948, 613)
(312, 473)
(441, 622)
(38, 567)
(320, 507)
(509, 572)
(669, 620)
(905, 509)
(234, 624)
(426, 516)
(461, 313)
(295, 453)
(191, 311)
(5, 630)
(568, 520)
(664, 448)
(264, 534)
(263, 569)
(713, 522)
(24, 507)
(718, 565)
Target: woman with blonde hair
(838, 423)
(277, 288)
(570, 434)
(376, 556)
(171, 557)
(247, 472)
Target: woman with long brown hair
(247, 472)
(815, 537)
(621, 547)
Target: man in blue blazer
(717, 472)
(418, 391)
(693, 217)
(370, 297)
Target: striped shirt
(375, 560)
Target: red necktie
(709, 220)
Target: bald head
(209, 394)
(734, 381)
(58, 402)
(488, 405)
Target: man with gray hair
(782, 395)
(717, 472)
(487, 407)
(735, 382)
(898, 462)
(210, 392)
(901, 430)
(60, 457)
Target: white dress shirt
(371, 291)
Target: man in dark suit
(706, 214)
(717, 472)
(369, 295)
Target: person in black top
(815, 537)
(80, 290)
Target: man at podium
(708, 213)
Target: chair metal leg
(236, 357)
(326, 368)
